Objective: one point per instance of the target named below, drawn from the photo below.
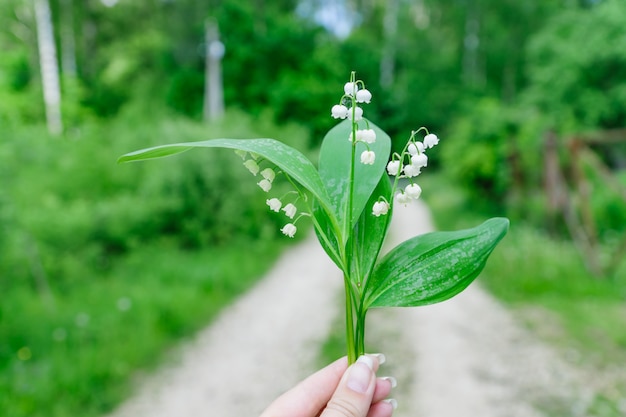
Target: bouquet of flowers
(349, 198)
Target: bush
(104, 265)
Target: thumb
(353, 396)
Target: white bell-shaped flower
(368, 157)
(289, 230)
(363, 96)
(430, 140)
(339, 111)
(358, 113)
(380, 208)
(290, 210)
(265, 185)
(350, 89)
(420, 160)
(415, 147)
(268, 174)
(412, 170)
(274, 204)
(403, 198)
(393, 167)
(367, 135)
(413, 191)
(252, 166)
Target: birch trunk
(49, 66)
(213, 88)
(390, 30)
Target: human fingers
(382, 408)
(353, 396)
(383, 388)
(311, 395)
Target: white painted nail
(391, 401)
(391, 379)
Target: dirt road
(466, 357)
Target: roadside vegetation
(106, 266)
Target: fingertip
(384, 408)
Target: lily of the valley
(265, 185)
(430, 140)
(368, 157)
(290, 210)
(274, 204)
(380, 208)
(252, 166)
(289, 230)
(420, 160)
(268, 174)
(394, 167)
(339, 111)
(413, 191)
(412, 170)
(363, 96)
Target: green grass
(74, 351)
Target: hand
(339, 391)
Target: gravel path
(462, 358)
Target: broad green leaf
(434, 267)
(369, 233)
(327, 235)
(334, 168)
(291, 161)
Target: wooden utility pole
(213, 88)
(49, 67)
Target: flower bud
(252, 166)
(350, 89)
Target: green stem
(350, 342)
(361, 328)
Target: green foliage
(580, 59)
(493, 151)
(544, 279)
(100, 272)
(90, 338)
(434, 267)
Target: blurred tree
(577, 68)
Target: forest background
(103, 267)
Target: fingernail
(381, 358)
(391, 401)
(391, 379)
(360, 375)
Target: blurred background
(103, 267)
